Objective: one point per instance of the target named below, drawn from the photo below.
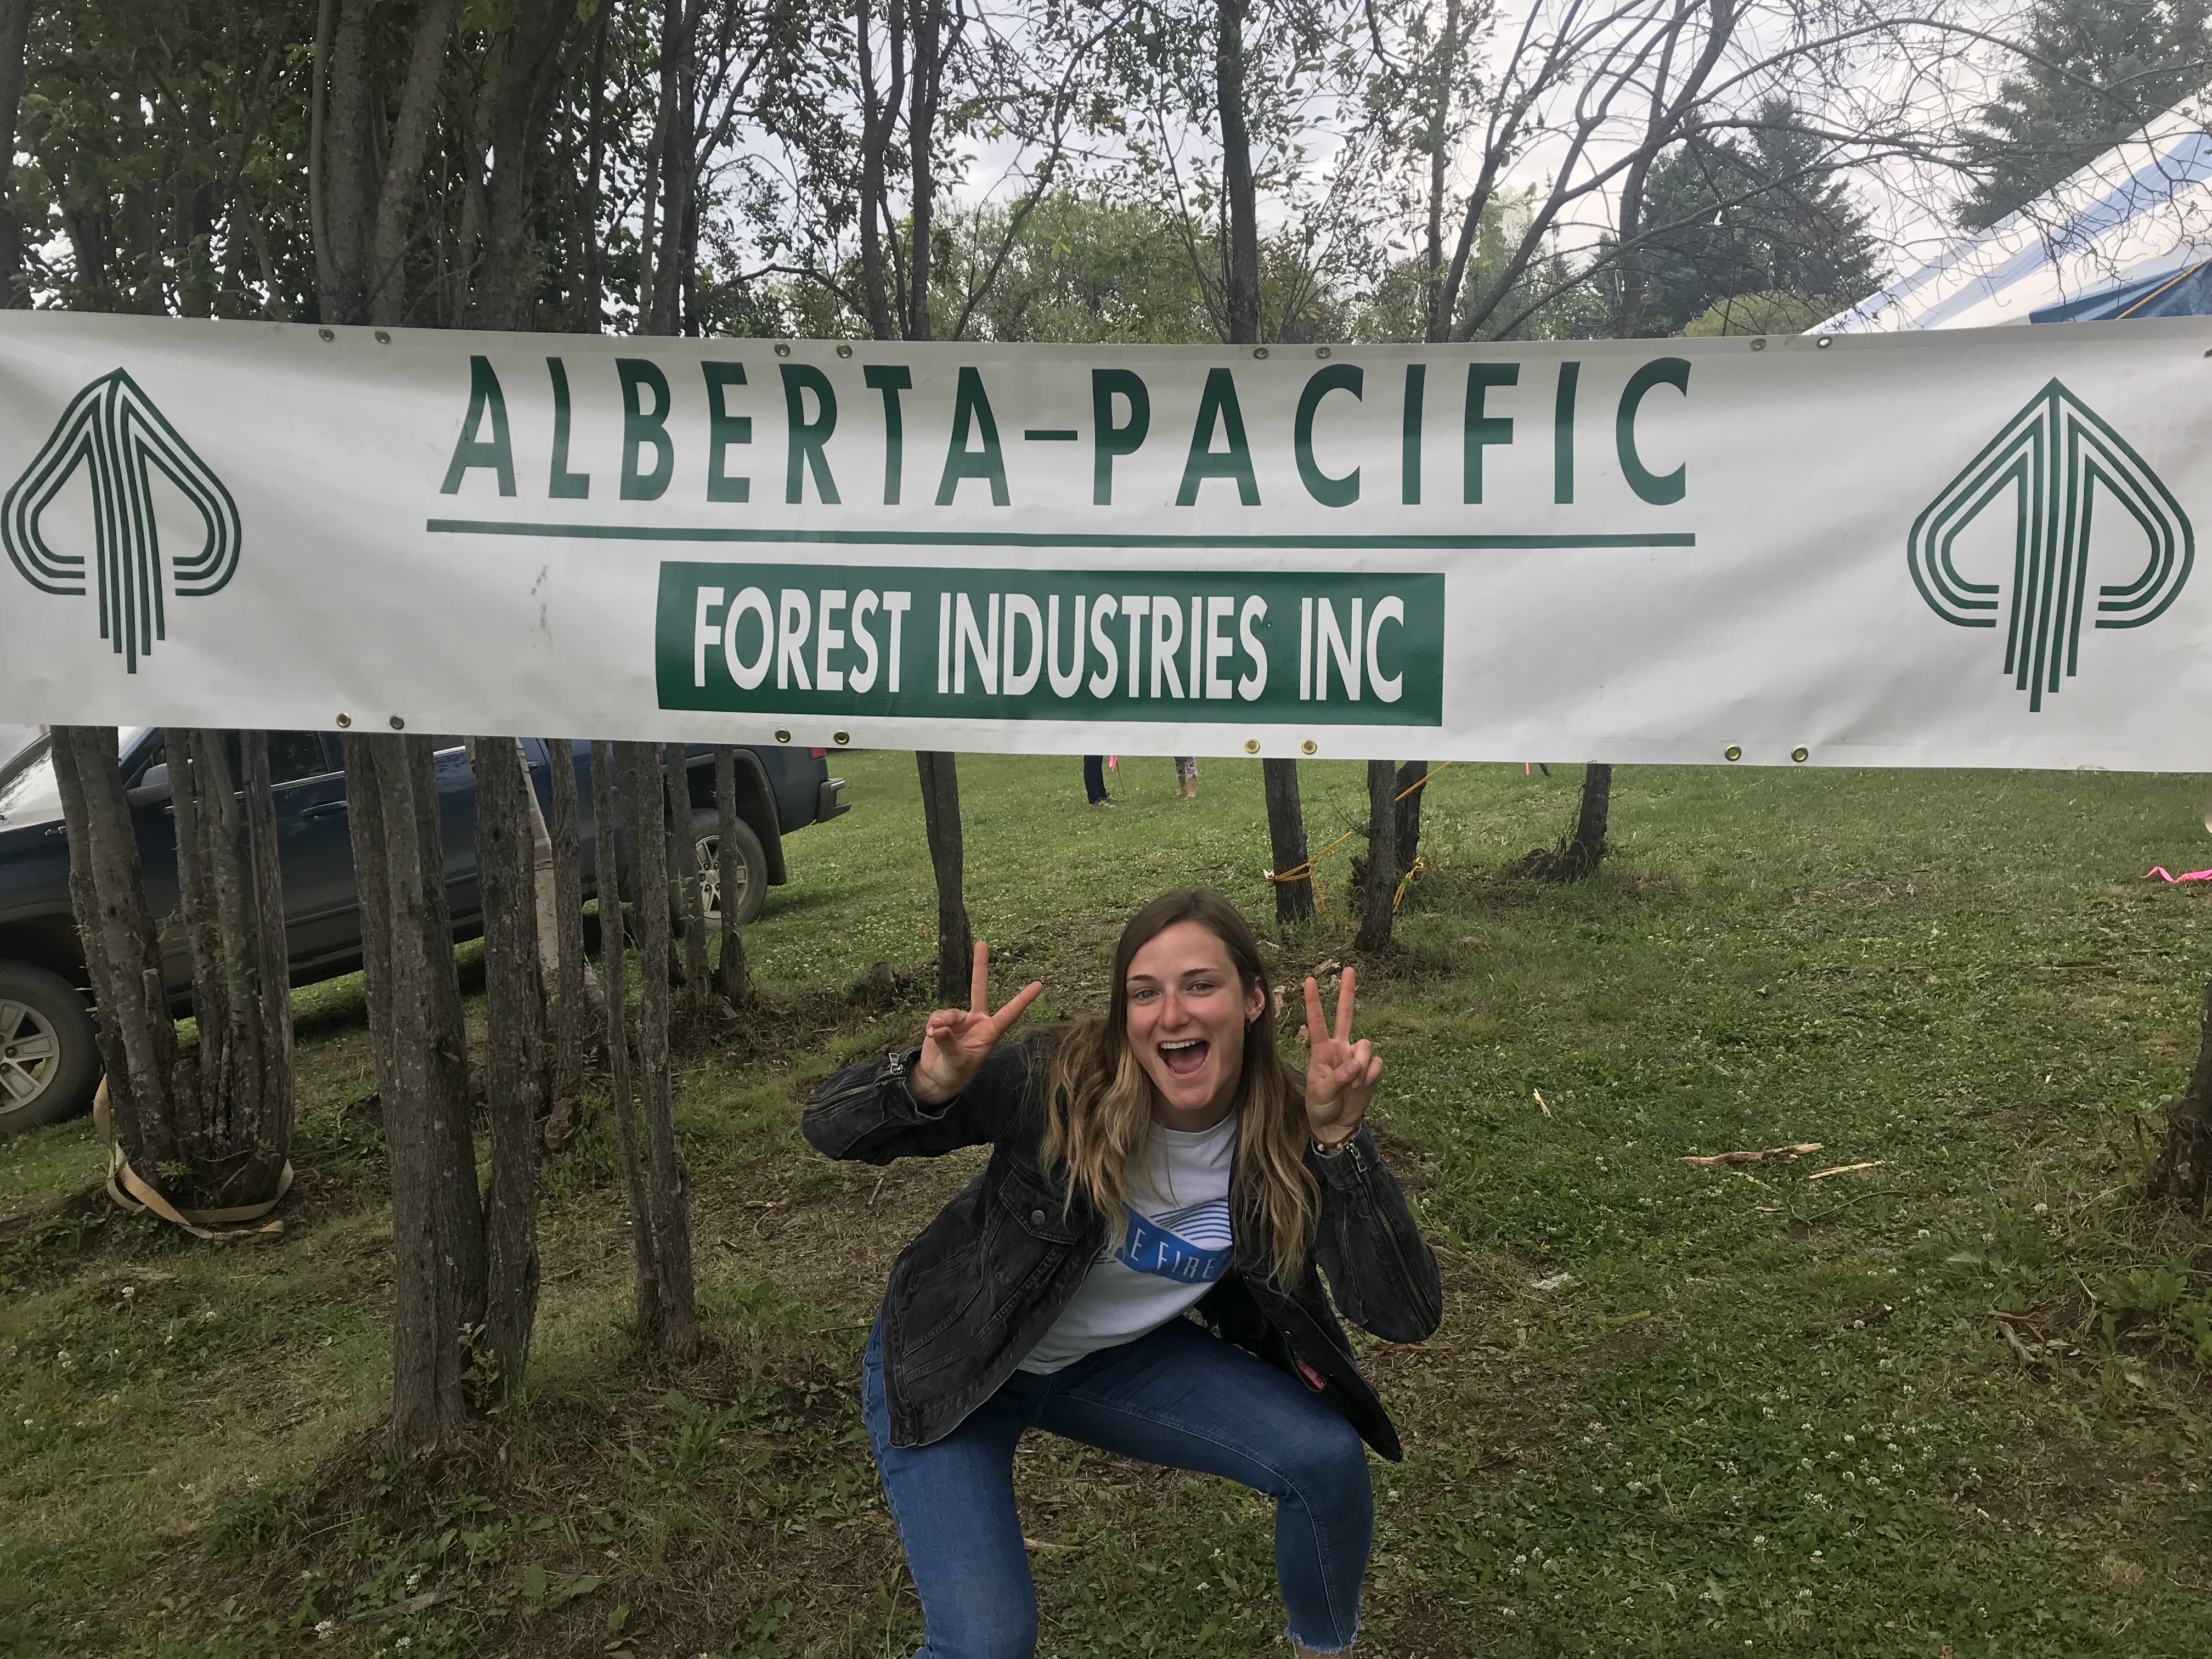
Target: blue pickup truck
(49, 1063)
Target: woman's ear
(1255, 1001)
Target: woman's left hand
(1340, 1074)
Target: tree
(1731, 219)
(204, 1129)
(630, 833)
(2091, 73)
(14, 42)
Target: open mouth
(1186, 1058)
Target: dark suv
(49, 1064)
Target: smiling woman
(1156, 1161)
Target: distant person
(1187, 776)
(1094, 779)
(1159, 1160)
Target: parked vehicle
(49, 1062)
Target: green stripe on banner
(619, 532)
(1166, 647)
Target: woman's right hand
(957, 1041)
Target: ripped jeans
(1177, 1397)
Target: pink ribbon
(2159, 870)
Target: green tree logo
(112, 431)
(2057, 459)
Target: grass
(1672, 1410)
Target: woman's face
(1187, 1019)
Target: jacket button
(1036, 1218)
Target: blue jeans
(1178, 1397)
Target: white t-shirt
(1172, 1246)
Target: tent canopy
(2129, 235)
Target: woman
(1158, 1161)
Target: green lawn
(1672, 1410)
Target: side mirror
(153, 789)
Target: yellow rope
(1304, 871)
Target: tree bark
(514, 1075)
(666, 1185)
(1242, 286)
(531, 64)
(2183, 1173)
(1409, 814)
(385, 302)
(609, 800)
(1378, 899)
(731, 969)
(1287, 840)
(577, 1005)
(685, 902)
(437, 1213)
(940, 814)
(1286, 830)
(122, 951)
(14, 42)
(1586, 847)
(231, 1095)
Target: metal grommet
(1320, 351)
(1732, 752)
(844, 351)
(344, 720)
(1800, 753)
(398, 724)
(1251, 745)
(783, 737)
(843, 737)
(781, 349)
(1309, 747)
(326, 333)
(1758, 346)
(383, 339)
(1259, 351)
(1825, 341)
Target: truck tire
(752, 868)
(49, 1054)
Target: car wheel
(752, 868)
(49, 1054)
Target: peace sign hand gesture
(1340, 1074)
(956, 1042)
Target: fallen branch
(1772, 1155)
(1845, 1169)
(2012, 1337)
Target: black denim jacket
(983, 1283)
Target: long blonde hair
(1100, 1101)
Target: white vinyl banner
(1969, 548)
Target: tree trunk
(122, 951)
(232, 1094)
(1242, 286)
(514, 1074)
(1409, 814)
(413, 999)
(207, 1128)
(2184, 1174)
(1286, 830)
(685, 902)
(608, 803)
(15, 41)
(940, 814)
(386, 299)
(577, 1005)
(1586, 846)
(1378, 899)
(1287, 840)
(733, 984)
(666, 1185)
